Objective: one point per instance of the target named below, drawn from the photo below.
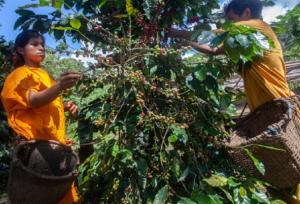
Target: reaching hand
(68, 80)
(70, 142)
(71, 107)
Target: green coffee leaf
(75, 23)
(258, 164)
(115, 150)
(243, 40)
(201, 74)
(261, 197)
(186, 201)
(129, 8)
(45, 2)
(178, 134)
(103, 2)
(161, 196)
(184, 174)
(202, 198)
(216, 181)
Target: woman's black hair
(21, 41)
(239, 6)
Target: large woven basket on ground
(273, 124)
(42, 172)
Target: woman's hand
(72, 108)
(70, 142)
(68, 80)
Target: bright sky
(8, 16)
(281, 7)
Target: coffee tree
(156, 119)
(5, 147)
(287, 28)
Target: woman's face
(34, 51)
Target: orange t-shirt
(265, 80)
(46, 122)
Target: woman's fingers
(71, 107)
(74, 110)
(68, 80)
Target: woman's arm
(66, 81)
(174, 33)
(199, 47)
(38, 99)
(206, 49)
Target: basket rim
(18, 161)
(258, 109)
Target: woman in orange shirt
(31, 98)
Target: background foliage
(57, 62)
(5, 136)
(288, 29)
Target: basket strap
(243, 111)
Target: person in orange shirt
(265, 80)
(31, 97)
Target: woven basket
(41, 172)
(273, 124)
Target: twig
(123, 103)
(95, 141)
(163, 141)
(235, 86)
(88, 20)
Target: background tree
(5, 66)
(288, 30)
(55, 64)
(5, 138)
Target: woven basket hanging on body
(42, 172)
(273, 124)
